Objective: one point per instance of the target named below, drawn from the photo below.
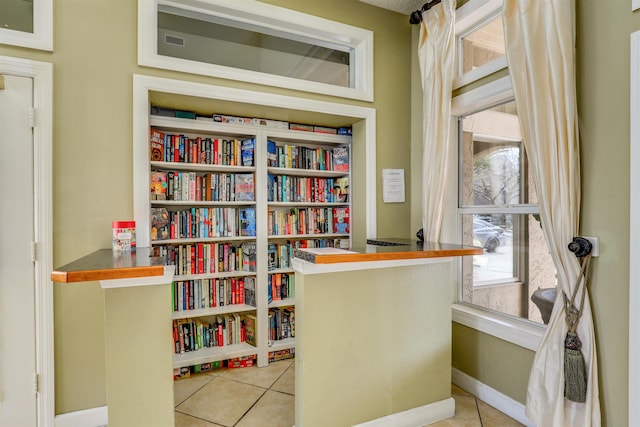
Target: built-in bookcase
(227, 204)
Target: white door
(18, 406)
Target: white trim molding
(42, 75)
(521, 332)
(42, 36)
(93, 417)
(422, 415)
(490, 93)
(286, 22)
(634, 233)
(491, 396)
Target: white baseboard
(94, 417)
(492, 397)
(420, 416)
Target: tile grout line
(478, 410)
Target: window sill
(522, 333)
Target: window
(480, 41)
(497, 202)
(262, 44)
(498, 211)
(27, 23)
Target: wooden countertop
(385, 250)
(104, 264)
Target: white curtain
(539, 39)
(436, 48)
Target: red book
(176, 148)
(216, 152)
(200, 258)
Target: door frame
(42, 75)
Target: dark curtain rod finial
(416, 15)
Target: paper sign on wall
(393, 185)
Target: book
(341, 159)
(282, 354)
(272, 154)
(250, 323)
(300, 126)
(324, 129)
(159, 224)
(156, 142)
(179, 373)
(248, 256)
(241, 362)
(341, 220)
(276, 124)
(244, 187)
(250, 291)
(247, 151)
(341, 190)
(272, 257)
(247, 221)
(158, 185)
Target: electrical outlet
(595, 243)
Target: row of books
(308, 221)
(280, 254)
(175, 148)
(186, 371)
(208, 258)
(210, 293)
(198, 187)
(284, 188)
(193, 334)
(300, 157)
(281, 286)
(287, 353)
(202, 222)
(282, 323)
(248, 121)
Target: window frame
(519, 331)
(286, 22)
(42, 36)
(469, 17)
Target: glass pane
(224, 42)
(493, 169)
(483, 45)
(16, 15)
(516, 263)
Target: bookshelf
(296, 195)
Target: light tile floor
(264, 397)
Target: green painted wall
(94, 58)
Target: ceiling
(400, 6)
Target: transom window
(262, 44)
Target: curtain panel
(436, 47)
(539, 39)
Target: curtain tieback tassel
(575, 374)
